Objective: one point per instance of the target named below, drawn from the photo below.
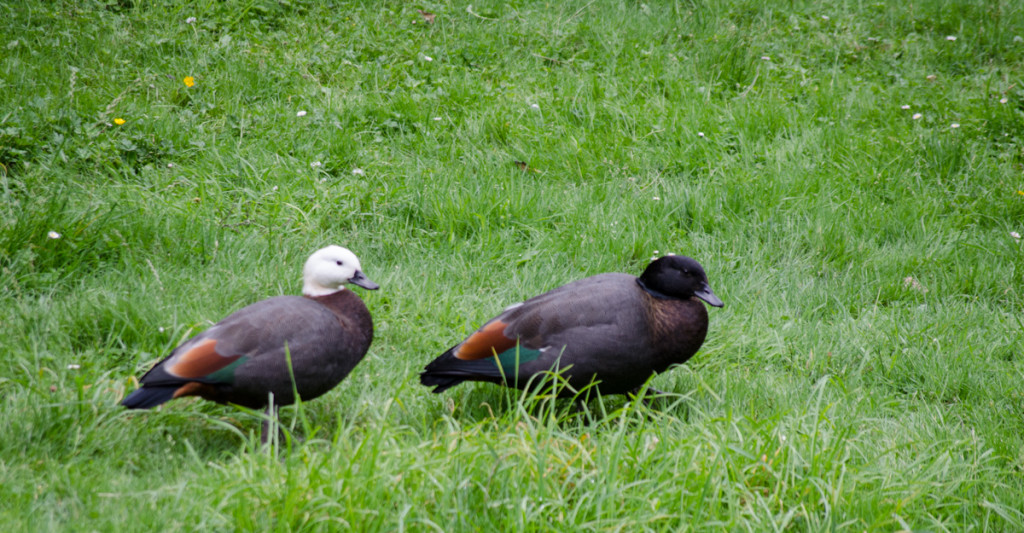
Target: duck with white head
(262, 354)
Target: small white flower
(655, 252)
(656, 198)
(53, 235)
(428, 58)
(1003, 100)
(190, 20)
(160, 329)
(824, 17)
(911, 283)
(1015, 235)
(437, 119)
(534, 106)
(904, 106)
(275, 188)
(951, 37)
(300, 114)
(358, 172)
(170, 165)
(766, 58)
(1018, 39)
(954, 125)
(916, 116)
(700, 133)
(316, 164)
(73, 366)
(323, 180)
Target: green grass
(865, 374)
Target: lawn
(850, 175)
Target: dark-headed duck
(615, 330)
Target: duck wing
(243, 356)
(584, 328)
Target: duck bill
(705, 293)
(361, 280)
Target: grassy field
(850, 174)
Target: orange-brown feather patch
(200, 361)
(486, 342)
(193, 388)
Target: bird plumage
(280, 346)
(613, 329)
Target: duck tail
(147, 397)
(439, 372)
(448, 371)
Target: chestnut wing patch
(194, 388)
(200, 361)
(486, 342)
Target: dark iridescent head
(678, 276)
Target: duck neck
(350, 311)
(314, 290)
(652, 292)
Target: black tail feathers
(448, 371)
(148, 397)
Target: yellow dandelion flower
(1020, 193)
(189, 81)
(118, 121)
